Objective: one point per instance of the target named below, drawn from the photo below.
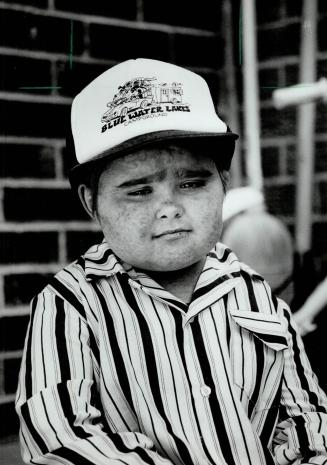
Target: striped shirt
(116, 370)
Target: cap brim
(81, 172)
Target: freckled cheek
(208, 211)
(209, 220)
(129, 222)
(144, 224)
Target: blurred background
(246, 50)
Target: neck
(180, 283)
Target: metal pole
(251, 95)
(306, 130)
(231, 90)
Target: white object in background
(306, 119)
(301, 93)
(264, 243)
(232, 104)
(314, 304)
(251, 96)
(242, 199)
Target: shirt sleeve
(61, 421)
(301, 432)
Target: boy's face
(160, 209)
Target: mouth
(173, 233)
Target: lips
(171, 232)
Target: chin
(170, 266)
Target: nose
(169, 210)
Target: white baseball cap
(139, 102)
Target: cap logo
(142, 98)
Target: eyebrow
(181, 173)
(196, 173)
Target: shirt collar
(100, 262)
(220, 274)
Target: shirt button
(205, 390)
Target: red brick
(34, 119)
(322, 36)
(239, 83)
(279, 41)
(319, 238)
(23, 204)
(21, 288)
(34, 247)
(291, 160)
(317, 201)
(321, 68)
(293, 7)
(191, 50)
(11, 425)
(24, 72)
(118, 43)
(267, 15)
(270, 161)
(321, 120)
(38, 32)
(13, 326)
(322, 187)
(278, 123)
(322, 6)
(11, 370)
(184, 13)
(323, 264)
(125, 9)
(73, 79)
(280, 199)
(291, 75)
(36, 3)
(26, 161)
(321, 157)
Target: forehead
(148, 160)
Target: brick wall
(279, 29)
(49, 50)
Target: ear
(86, 197)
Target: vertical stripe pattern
(117, 370)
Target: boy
(158, 346)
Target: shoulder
(228, 258)
(252, 293)
(70, 285)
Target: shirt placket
(212, 381)
(204, 388)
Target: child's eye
(192, 184)
(140, 192)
